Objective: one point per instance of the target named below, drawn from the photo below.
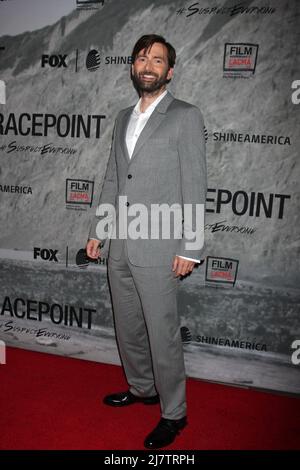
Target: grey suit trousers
(148, 331)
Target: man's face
(150, 70)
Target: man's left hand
(182, 266)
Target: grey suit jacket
(167, 166)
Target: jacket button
(129, 177)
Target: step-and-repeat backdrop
(64, 76)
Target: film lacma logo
(239, 60)
(80, 192)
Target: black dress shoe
(165, 433)
(127, 398)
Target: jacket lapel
(152, 124)
(124, 125)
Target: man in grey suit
(157, 162)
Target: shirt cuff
(97, 239)
(190, 259)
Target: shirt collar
(150, 108)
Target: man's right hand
(92, 249)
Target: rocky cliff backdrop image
(63, 81)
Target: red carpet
(53, 402)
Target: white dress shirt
(137, 122)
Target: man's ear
(170, 73)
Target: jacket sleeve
(108, 193)
(192, 156)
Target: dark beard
(149, 87)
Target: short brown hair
(147, 41)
